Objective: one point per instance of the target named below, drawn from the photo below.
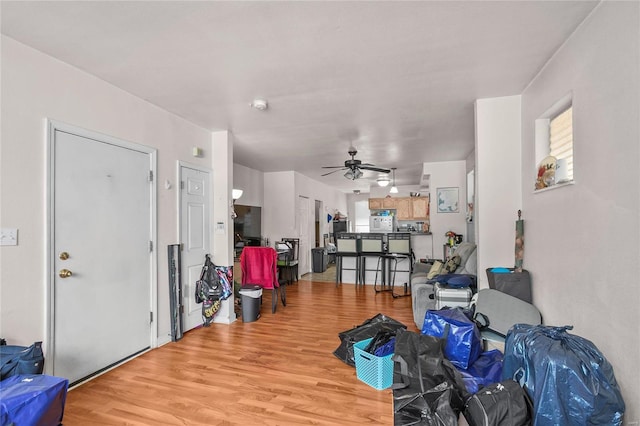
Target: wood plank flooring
(279, 370)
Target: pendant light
(394, 188)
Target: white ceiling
(395, 79)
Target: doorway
(318, 225)
(101, 251)
(195, 220)
(305, 230)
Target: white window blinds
(561, 138)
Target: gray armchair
(421, 290)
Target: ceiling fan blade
(333, 171)
(375, 169)
(332, 167)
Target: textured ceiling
(395, 79)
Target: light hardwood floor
(279, 370)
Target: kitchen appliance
(381, 223)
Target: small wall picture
(448, 200)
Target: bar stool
(347, 245)
(371, 244)
(398, 250)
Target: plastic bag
(368, 329)
(427, 388)
(32, 400)
(21, 360)
(464, 343)
(567, 377)
(485, 371)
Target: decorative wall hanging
(448, 200)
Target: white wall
(581, 241)
(446, 174)
(36, 87)
(278, 196)
(498, 182)
(278, 214)
(332, 199)
(252, 184)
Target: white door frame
(51, 127)
(209, 171)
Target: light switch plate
(8, 237)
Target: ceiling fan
(354, 167)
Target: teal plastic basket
(375, 371)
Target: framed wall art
(448, 201)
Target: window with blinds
(561, 143)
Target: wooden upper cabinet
(420, 208)
(375, 203)
(389, 203)
(403, 208)
(407, 208)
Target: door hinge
(150, 175)
(181, 246)
(150, 317)
(181, 184)
(150, 246)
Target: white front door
(101, 252)
(304, 230)
(195, 219)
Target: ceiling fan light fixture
(353, 174)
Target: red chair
(259, 267)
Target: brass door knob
(65, 273)
(64, 255)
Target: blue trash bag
(486, 371)
(464, 343)
(567, 377)
(32, 399)
(16, 360)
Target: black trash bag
(16, 360)
(366, 330)
(427, 388)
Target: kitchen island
(366, 269)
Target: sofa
(422, 288)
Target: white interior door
(305, 229)
(101, 234)
(194, 235)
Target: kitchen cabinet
(389, 203)
(403, 208)
(407, 208)
(375, 203)
(420, 208)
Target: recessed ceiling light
(260, 104)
